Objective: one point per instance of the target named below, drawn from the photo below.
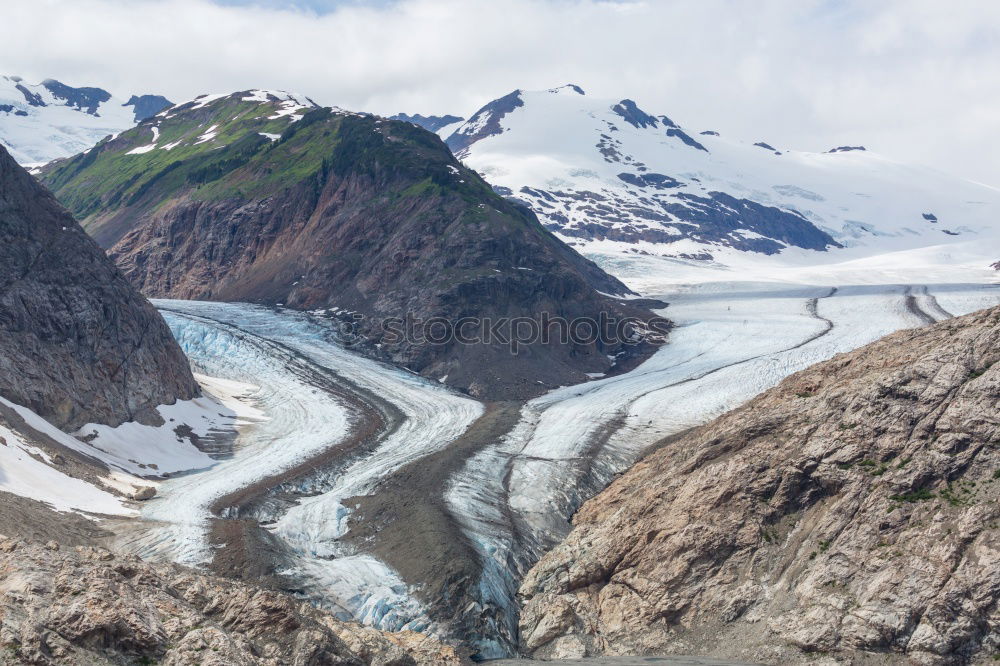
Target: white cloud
(914, 79)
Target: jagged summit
(259, 95)
(441, 125)
(87, 100)
(146, 106)
(568, 88)
(484, 123)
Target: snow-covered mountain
(39, 123)
(611, 178)
(441, 125)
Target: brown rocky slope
(353, 214)
(848, 515)
(87, 606)
(78, 343)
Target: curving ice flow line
(302, 421)
(929, 304)
(296, 361)
(513, 497)
(732, 342)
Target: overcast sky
(918, 80)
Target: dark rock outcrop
(720, 215)
(147, 106)
(32, 98)
(9, 108)
(657, 181)
(678, 133)
(569, 86)
(717, 218)
(78, 343)
(84, 99)
(851, 512)
(634, 116)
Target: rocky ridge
(430, 123)
(848, 515)
(61, 605)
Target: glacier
(512, 498)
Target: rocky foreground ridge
(848, 515)
(85, 605)
(78, 343)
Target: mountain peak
(84, 99)
(147, 106)
(429, 123)
(391, 204)
(633, 115)
(259, 95)
(485, 122)
(609, 173)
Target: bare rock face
(88, 606)
(78, 344)
(848, 515)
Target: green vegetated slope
(195, 150)
(267, 198)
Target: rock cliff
(848, 515)
(85, 605)
(78, 343)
